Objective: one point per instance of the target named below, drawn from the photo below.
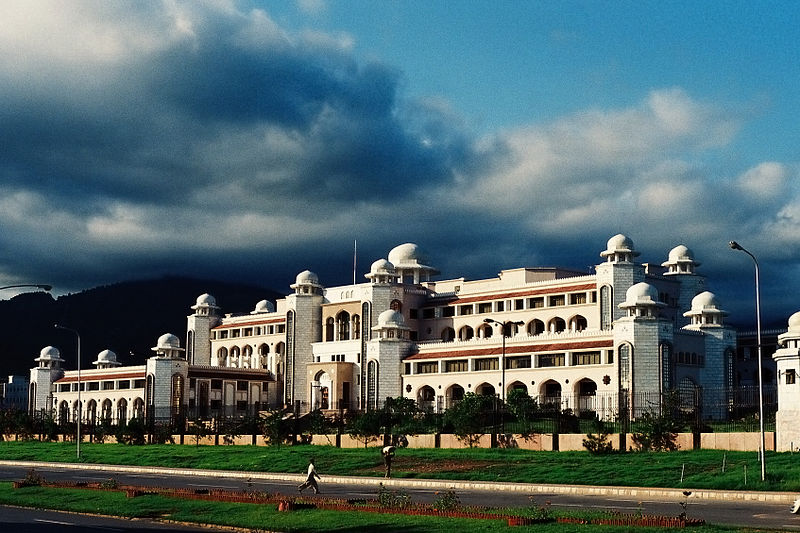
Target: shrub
(393, 499)
(447, 500)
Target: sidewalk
(439, 484)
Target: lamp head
(735, 245)
(488, 320)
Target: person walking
(388, 454)
(310, 481)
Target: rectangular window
(489, 363)
(555, 301)
(216, 384)
(235, 333)
(108, 385)
(455, 366)
(519, 304)
(610, 358)
(124, 384)
(270, 330)
(550, 359)
(63, 387)
(429, 312)
(223, 334)
(790, 377)
(94, 385)
(577, 299)
(534, 303)
(485, 307)
(448, 311)
(216, 404)
(523, 361)
(501, 306)
(248, 332)
(427, 368)
(585, 358)
(241, 386)
(406, 368)
(413, 314)
(465, 310)
(281, 328)
(138, 383)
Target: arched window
(465, 333)
(63, 412)
(396, 305)
(665, 350)
(485, 331)
(263, 355)
(485, 389)
(556, 325)
(343, 324)
(247, 357)
(91, 412)
(177, 393)
(105, 413)
(448, 334)
(329, 326)
(454, 394)
(222, 357)
(372, 385)
(190, 346)
(426, 397)
(577, 323)
(606, 303)
(138, 408)
(535, 327)
(356, 327)
(76, 411)
(234, 358)
(122, 410)
(625, 356)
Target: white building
(584, 340)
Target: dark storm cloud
(201, 138)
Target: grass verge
(266, 517)
(700, 469)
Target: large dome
(107, 356)
(680, 253)
(407, 254)
(382, 266)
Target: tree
(468, 417)
(276, 429)
(524, 409)
(367, 426)
(658, 428)
(402, 417)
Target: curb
(439, 484)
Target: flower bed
(293, 503)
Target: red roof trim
(511, 350)
(101, 377)
(518, 294)
(254, 323)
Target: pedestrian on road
(388, 453)
(310, 481)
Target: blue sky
(251, 140)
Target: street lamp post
(736, 246)
(80, 407)
(503, 326)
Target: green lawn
(266, 517)
(701, 468)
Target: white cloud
(765, 181)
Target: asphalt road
(738, 513)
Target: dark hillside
(125, 317)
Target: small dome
(206, 300)
(382, 266)
(264, 306)
(705, 300)
(794, 322)
(680, 253)
(391, 319)
(307, 277)
(619, 243)
(167, 341)
(641, 294)
(49, 353)
(107, 356)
